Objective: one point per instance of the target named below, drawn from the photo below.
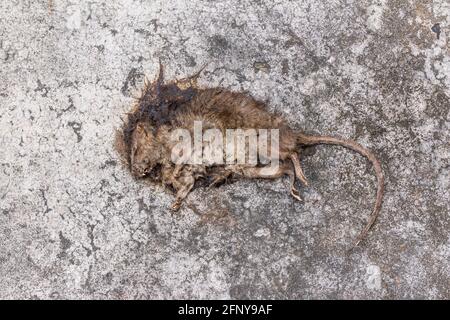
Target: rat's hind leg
(261, 172)
(298, 169)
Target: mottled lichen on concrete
(74, 224)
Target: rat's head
(145, 150)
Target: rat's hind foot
(294, 191)
(176, 205)
(298, 169)
(296, 194)
(251, 172)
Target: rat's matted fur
(145, 145)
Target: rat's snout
(140, 172)
(137, 172)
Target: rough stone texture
(74, 224)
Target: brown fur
(145, 146)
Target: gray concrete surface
(74, 224)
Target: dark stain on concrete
(130, 81)
(436, 28)
(76, 126)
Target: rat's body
(147, 146)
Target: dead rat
(145, 143)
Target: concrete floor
(74, 224)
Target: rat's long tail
(306, 140)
